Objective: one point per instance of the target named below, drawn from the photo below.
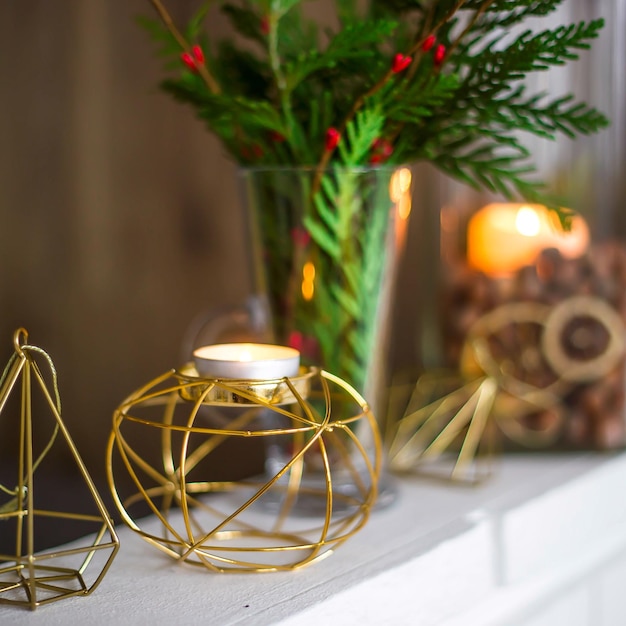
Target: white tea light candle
(252, 361)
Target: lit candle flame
(245, 355)
(527, 222)
(400, 184)
(308, 281)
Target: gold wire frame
(455, 432)
(316, 494)
(451, 437)
(29, 579)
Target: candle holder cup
(320, 437)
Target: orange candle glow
(502, 238)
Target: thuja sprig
(443, 77)
(400, 62)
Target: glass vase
(325, 248)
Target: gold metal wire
(29, 579)
(318, 493)
(459, 424)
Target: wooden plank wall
(119, 215)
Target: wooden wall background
(119, 215)
(119, 218)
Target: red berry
(440, 54)
(265, 26)
(198, 54)
(386, 149)
(277, 137)
(429, 42)
(295, 340)
(333, 137)
(251, 152)
(189, 61)
(300, 237)
(400, 62)
(382, 149)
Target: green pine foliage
(272, 90)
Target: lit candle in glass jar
(251, 361)
(502, 238)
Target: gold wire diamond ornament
(30, 578)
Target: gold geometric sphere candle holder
(322, 462)
(30, 577)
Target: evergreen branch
(360, 101)
(244, 22)
(193, 31)
(278, 8)
(293, 87)
(491, 71)
(398, 7)
(242, 72)
(484, 6)
(480, 168)
(513, 112)
(346, 12)
(558, 115)
(221, 110)
(422, 100)
(296, 35)
(354, 41)
(281, 7)
(528, 53)
(511, 8)
(361, 133)
(274, 58)
(511, 12)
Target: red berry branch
(192, 56)
(398, 64)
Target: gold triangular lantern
(31, 578)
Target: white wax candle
(253, 361)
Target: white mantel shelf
(543, 543)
